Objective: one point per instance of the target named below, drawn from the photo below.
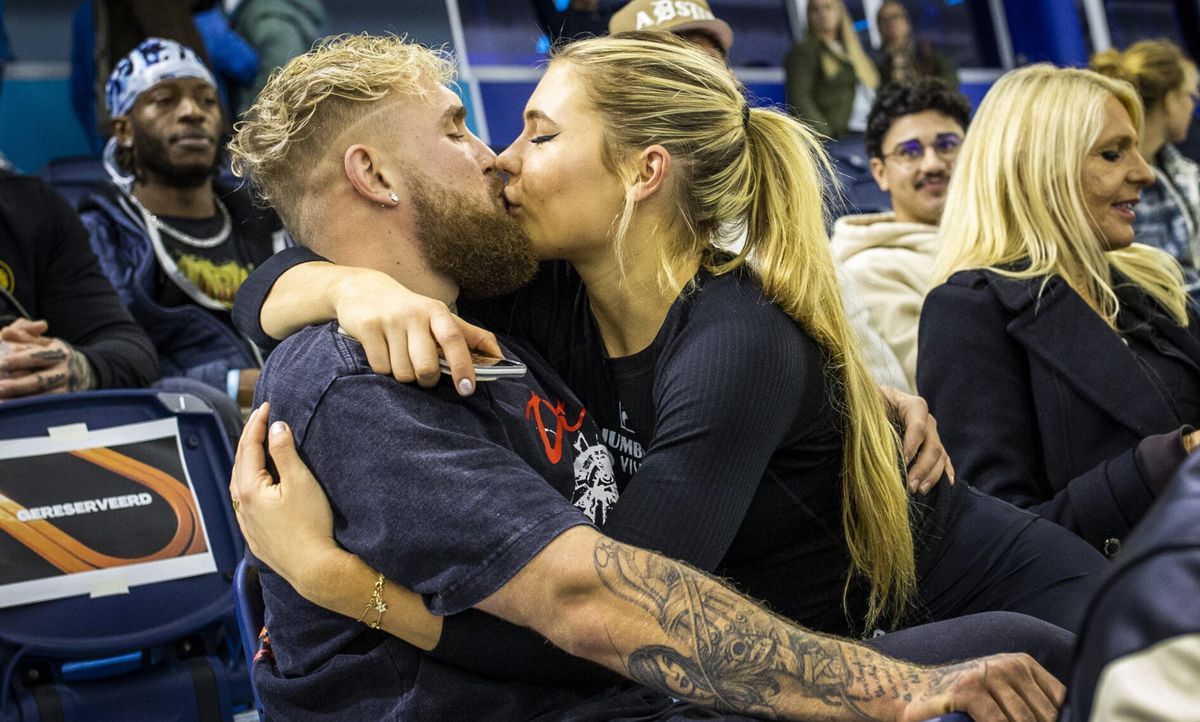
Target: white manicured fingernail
(465, 387)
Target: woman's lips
(1125, 209)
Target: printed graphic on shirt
(7, 280)
(624, 419)
(623, 445)
(595, 484)
(219, 282)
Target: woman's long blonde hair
(864, 67)
(1015, 205)
(765, 171)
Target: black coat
(1040, 403)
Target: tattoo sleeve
(80, 377)
(729, 653)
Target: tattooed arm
(671, 628)
(654, 620)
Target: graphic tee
(447, 496)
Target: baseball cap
(672, 16)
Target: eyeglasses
(910, 152)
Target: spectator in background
(176, 244)
(1062, 359)
(278, 30)
(913, 136)
(1168, 216)
(234, 61)
(107, 29)
(903, 58)
(567, 20)
(118, 26)
(831, 82)
(692, 21)
(83, 337)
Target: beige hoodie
(890, 264)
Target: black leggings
(995, 557)
(994, 578)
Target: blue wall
(37, 123)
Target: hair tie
(746, 116)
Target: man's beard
(150, 158)
(483, 250)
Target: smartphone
(490, 368)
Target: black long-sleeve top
(48, 268)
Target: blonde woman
(748, 439)
(1169, 215)
(1061, 358)
(831, 81)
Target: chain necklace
(210, 242)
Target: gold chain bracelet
(376, 604)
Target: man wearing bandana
(173, 240)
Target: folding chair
(166, 650)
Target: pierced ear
(122, 131)
(877, 174)
(363, 170)
(652, 167)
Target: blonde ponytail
(765, 170)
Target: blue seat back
(156, 634)
(74, 176)
(251, 613)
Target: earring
(393, 197)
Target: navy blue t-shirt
(447, 496)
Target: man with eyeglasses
(913, 136)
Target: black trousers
(993, 578)
(992, 556)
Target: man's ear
(878, 175)
(651, 169)
(364, 170)
(122, 130)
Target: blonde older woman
(1166, 81)
(1060, 357)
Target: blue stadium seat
(251, 613)
(860, 192)
(167, 650)
(74, 176)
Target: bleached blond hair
(285, 140)
(1015, 205)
